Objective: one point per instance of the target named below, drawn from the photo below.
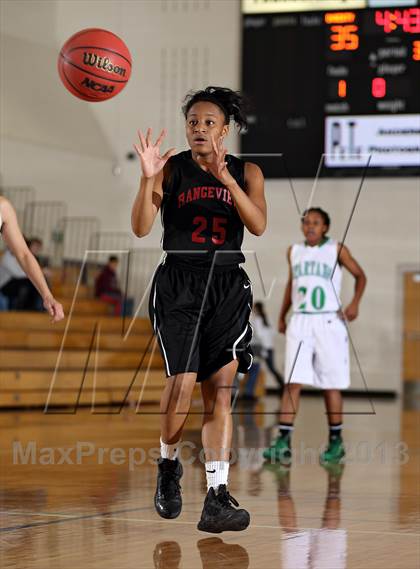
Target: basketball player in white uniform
(317, 351)
(13, 238)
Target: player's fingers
(148, 136)
(213, 143)
(137, 149)
(142, 141)
(160, 138)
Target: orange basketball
(94, 65)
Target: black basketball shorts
(201, 317)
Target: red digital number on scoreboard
(344, 37)
(379, 87)
(390, 20)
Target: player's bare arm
(14, 240)
(349, 262)
(250, 204)
(149, 197)
(287, 298)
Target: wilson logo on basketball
(102, 63)
(90, 84)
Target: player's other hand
(218, 166)
(282, 326)
(351, 312)
(151, 160)
(54, 309)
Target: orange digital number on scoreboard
(344, 37)
(342, 88)
(416, 50)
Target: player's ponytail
(232, 103)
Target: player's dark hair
(232, 103)
(112, 259)
(259, 309)
(325, 217)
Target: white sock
(169, 451)
(217, 472)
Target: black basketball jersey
(198, 213)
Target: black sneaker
(219, 515)
(168, 500)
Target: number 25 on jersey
(218, 225)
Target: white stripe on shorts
(237, 341)
(157, 331)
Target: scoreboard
(339, 78)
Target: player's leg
(174, 406)
(280, 448)
(334, 408)
(298, 371)
(218, 513)
(333, 373)
(173, 311)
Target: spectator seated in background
(107, 287)
(16, 290)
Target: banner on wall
(273, 6)
(391, 3)
(392, 141)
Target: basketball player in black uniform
(201, 298)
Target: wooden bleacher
(84, 359)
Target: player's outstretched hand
(218, 166)
(150, 159)
(54, 309)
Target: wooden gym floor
(90, 515)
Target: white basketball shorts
(317, 351)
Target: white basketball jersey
(316, 278)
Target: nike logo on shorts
(211, 471)
(247, 286)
